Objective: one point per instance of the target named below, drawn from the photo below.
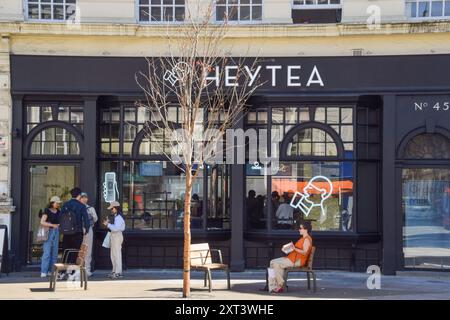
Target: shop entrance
(45, 181)
(426, 217)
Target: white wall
(11, 10)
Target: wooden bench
(64, 266)
(201, 260)
(308, 269)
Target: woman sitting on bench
(296, 258)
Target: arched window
(53, 141)
(428, 146)
(312, 142)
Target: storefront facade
(377, 127)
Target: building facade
(358, 89)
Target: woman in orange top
(298, 257)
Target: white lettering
(215, 78)
(291, 78)
(318, 79)
(274, 73)
(229, 77)
(252, 75)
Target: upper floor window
(161, 10)
(316, 11)
(51, 9)
(427, 9)
(239, 10)
(317, 4)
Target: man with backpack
(74, 223)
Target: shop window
(316, 11)
(239, 10)
(320, 192)
(54, 141)
(161, 10)
(153, 196)
(427, 9)
(67, 112)
(428, 146)
(57, 10)
(312, 142)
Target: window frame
(239, 21)
(150, 22)
(51, 4)
(317, 6)
(430, 17)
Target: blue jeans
(50, 247)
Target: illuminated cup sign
(317, 185)
(110, 187)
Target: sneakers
(43, 275)
(114, 276)
(278, 290)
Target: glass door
(46, 181)
(426, 217)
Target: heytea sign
(270, 75)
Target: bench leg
(314, 281)
(53, 279)
(266, 288)
(228, 278)
(209, 279)
(205, 278)
(285, 277)
(309, 280)
(81, 278)
(85, 279)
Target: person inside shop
(251, 205)
(50, 220)
(116, 225)
(298, 256)
(89, 237)
(73, 230)
(285, 212)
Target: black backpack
(67, 222)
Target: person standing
(116, 226)
(50, 220)
(89, 237)
(74, 223)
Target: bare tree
(209, 88)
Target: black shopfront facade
(377, 127)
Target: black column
(89, 179)
(237, 262)
(390, 229)
(19, 231)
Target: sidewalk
(248, 285)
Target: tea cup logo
(178, 73)
(317, 185)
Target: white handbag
(107, 241)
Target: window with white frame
(51, 9)
(316, 4)
(239, 10)
(427, 9)
(161, 10)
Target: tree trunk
(187, 235)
